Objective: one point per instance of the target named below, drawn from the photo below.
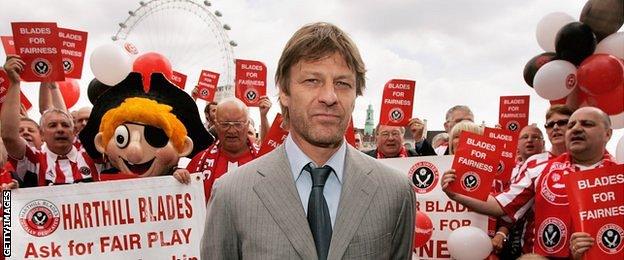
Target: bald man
(542, 188)
(80, 117)
(232, 148)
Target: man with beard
(232, 149)
(543, 189)
(313, 197)
(58, 161)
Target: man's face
(232, 126)
(417, 130)
(30, 132)
(141, 150)
(321, 100)
(210, 115)
(530, 142)
(389, 140)
(457, 116)
(251, 133)
(57, 132)
(587, 135)
(556, 126)
(81, 117)
(358, 141)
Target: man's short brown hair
(207, 107)
(559, 109)
(314, 42)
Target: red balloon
(611, 103)
(558, 101)
(70, 91)
(600, 73)
(149, 63)
(423, 229)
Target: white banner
(446, 215)
(146, 218)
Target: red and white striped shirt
(542, 189)
(52, 169)
(518, 198)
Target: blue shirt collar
(298, 159)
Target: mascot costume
(142, 131)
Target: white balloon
(469, 243)
(613, 44)
(555, 80)
(110, 63)
(617, 121)
(548, 27)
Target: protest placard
(250, 82)
(38, 45)
(514, 112)
(397, 102)
(350, 133)
(446, 215)
(475, 163)
(178, 79)
(507, 159)
(207, 85)
(144, 218)
(4, 86)
(73, 46)
(8, 44)
(596, 199)
(274, 137)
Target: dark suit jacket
(255, 213)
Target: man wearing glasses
(530, 142)
(542, 187)
(390, 143)
(232, 148)
(556, 125)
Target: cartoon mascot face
(144, 133)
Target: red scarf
(206, 163)
(402, 153)
(553, 225)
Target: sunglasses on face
(559, 123)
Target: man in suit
(284, 205)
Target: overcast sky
(459, 52)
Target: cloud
(459, 52)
